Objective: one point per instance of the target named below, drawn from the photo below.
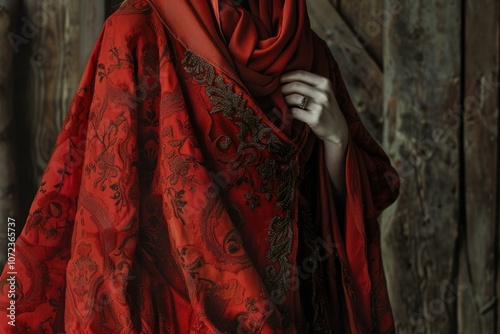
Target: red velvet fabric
(173, 204)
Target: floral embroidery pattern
(276, 172)
(83, 270)
(53, 215)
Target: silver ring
(303, 104)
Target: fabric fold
(172, 203)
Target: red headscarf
(272, 38)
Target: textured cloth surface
(173, 204)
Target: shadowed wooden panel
(8, 176)
(362, 75)
(367, 20)
(478, 260)
(422, 82)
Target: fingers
(307, 78)
(310, 118)
(300, 89)
(296, 85)
(296, 100)
(310, 115)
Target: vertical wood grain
(478, 250)
(422, 86)
(8, 175)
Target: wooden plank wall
(422, 84)
(366, 21)
(9, 185)
(480, 168)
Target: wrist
(337, 144)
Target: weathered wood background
(424, 76)
(8, 175)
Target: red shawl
(173, 204)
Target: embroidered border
(255, 134)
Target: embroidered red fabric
(172, 204)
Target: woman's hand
(323, 115)
(321, 112)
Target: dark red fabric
(271, 38)
(173, 204)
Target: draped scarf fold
(272, 38)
